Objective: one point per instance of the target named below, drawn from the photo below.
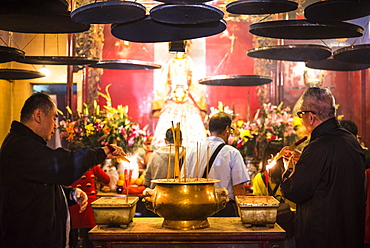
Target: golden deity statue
(180, 100)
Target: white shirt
(228, 166)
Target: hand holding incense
(122, 156)
(291, 147)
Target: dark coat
(328, 187)
(33, 205)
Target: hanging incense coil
(147, 30)
(236, 80)
(305, 30)
(259, 7)
(337, 10)
(301, 52)
(185, 13)
(108, 12)
(335, 65)
(353, 54)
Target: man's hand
(81, 198)
(113, 151)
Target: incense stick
(184, 163)
(176, 166)
(169, 164)
(207, 168)
(197, 163)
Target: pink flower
(131, 141)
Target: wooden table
(224, 232)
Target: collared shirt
(228, 166)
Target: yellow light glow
(271, 165)
(45, 71)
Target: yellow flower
(70, 127)
(106, 129)
(240, 123)
(90, 130)
(246, 134)
(70, 138)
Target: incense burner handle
(149, 199)
(221, 198)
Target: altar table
(224, 232)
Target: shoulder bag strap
(213, 157)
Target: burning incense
(128, 175)
(197, 162)
(169, 163)
(177, 141)
(291, 147)
(283, 152)
(112, 149)
(184, 163)
(207, 168)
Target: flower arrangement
(271, 122)
(107, 126)
(221, 107)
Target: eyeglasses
(231, 130)
(300, 113)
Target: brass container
(257, 210)
(185, 205)
(114, 211)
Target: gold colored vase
(185, 205)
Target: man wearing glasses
(228, 166)
(327, 180)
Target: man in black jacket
(327, 182)
(33, 205)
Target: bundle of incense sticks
(112, 149)
(291, 147)
(177, 142)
